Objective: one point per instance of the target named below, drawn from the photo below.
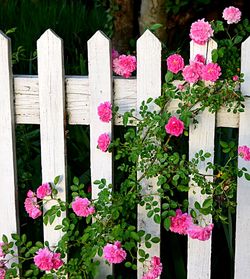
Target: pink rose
(124, 65)
(2, 273)
(231, 15)
(57, 261)
(154, 269)
(31, 205)
(180, 222)
(115, 54)
(103, 142)
(244, 152)
(46, 260)
(199, 59)
(200, 233)
(175, 63)
(235, 78)
(191, 73)
(2, 254)
(211, 72)
(81, 207)
(174, 126)
(114, 253)
(104, 111)
(201, 31)
(43, 191)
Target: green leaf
(135, 236)
(193, 213)
(150, 213)
(58, 227)
(167, 223)
(155, 239)
(247, 176)
(238, 39)
(97, 182)
(141, 253)
(197, 205)
(5, 238)
(28, 273)
(128, 264)
(58, 179)
(215, 55)
(157, 219)
(155, 26)
(207, 203)
(223, 144)
(75, 181)
(169, 76)
(165, 206)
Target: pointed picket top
(49, 35)
(205, 50)
(5, 45)
(148, 36)
(245, 61)
(148, 68)
(99, 38)
(3, 36)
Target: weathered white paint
(8, 186)
(148, 85)
(52, 104)
(201, 137)
(100, 89)
(242, 244)
(77, 101)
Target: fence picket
(100, 88)
(148, 85)
(52, 121)
(9, 222)
(201, 137)
(242, 255)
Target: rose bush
(106, 226)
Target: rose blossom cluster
(154, 270)
(244, 152)
(31, 203)
(231, 15)
(196, 70)
(46, 260)
(81, 207)
(114, 253)
(182, 223)
(123, 65)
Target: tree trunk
(153, 11)
(123, 24)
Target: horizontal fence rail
(27, 109)
(53, 100)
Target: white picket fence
(48, 98)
